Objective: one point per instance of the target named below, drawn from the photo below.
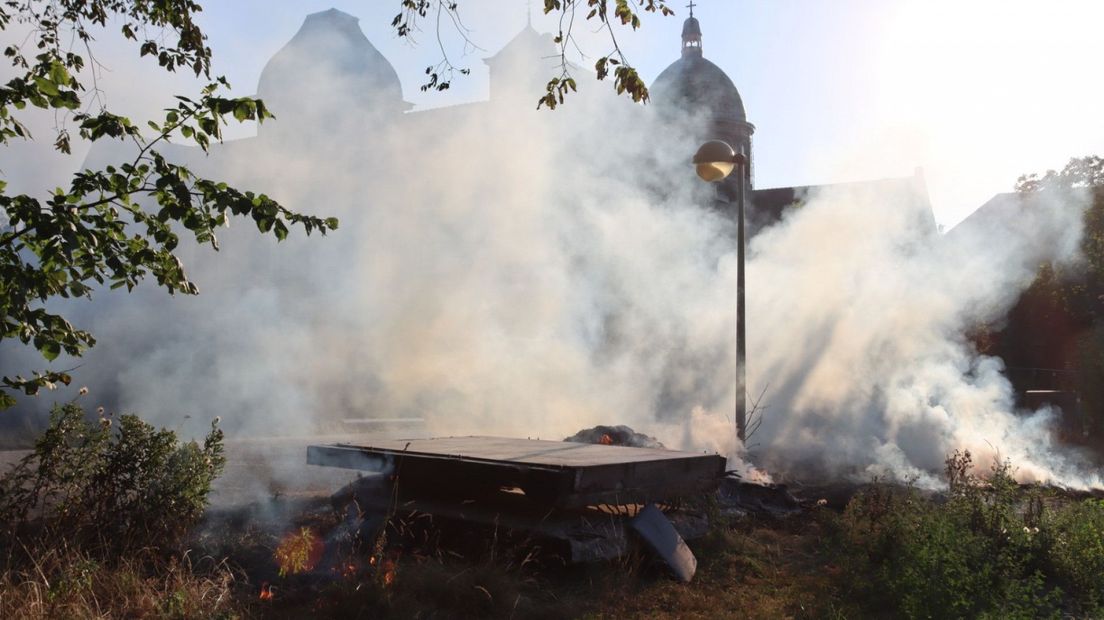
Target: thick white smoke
(505, 271)
(859, 330)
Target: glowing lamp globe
(715, 160)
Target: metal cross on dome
(691, 7)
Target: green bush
(1074, 539)
(979, 552)
(105, 486)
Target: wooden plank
(531, 451)
(550, 472)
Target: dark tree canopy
(1053, 338)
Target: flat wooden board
(528, 451)
(549, 472)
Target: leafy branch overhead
(624, 13)
(118, 225)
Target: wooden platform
(551, 473)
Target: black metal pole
(741, 340)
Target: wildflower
(83, 390)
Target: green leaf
(46, 87)
(58, 73)
(50, 350)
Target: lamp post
(715, 161)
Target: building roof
(329, 60)
(768, 206)
(528, 44)
(691, 27)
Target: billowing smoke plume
(501, 270)
(860, 327)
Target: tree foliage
(1080, 288)
(1054, 336)
(1085, 171)
(609, 14)
(115, 226)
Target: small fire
(299, 552)
(606, 440)
(387, 569)
(267, 591)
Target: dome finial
(691, 34)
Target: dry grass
(59, 583)
(770, 570)
(746, 570)
(750, 570)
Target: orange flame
(299, 552)
(606, 440)
(267, 592)
(388, 568)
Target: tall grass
(60, 582)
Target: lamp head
(715, 160)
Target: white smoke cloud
(859, 323)
(505, 271)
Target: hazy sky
(975, 93)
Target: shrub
(975, 554)
(112, 487)
(1073, 536)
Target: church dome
(692, 84)
(694, 96)
(329, 63)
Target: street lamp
(715, 161)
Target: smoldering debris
(619, 435)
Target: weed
(117, 487)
